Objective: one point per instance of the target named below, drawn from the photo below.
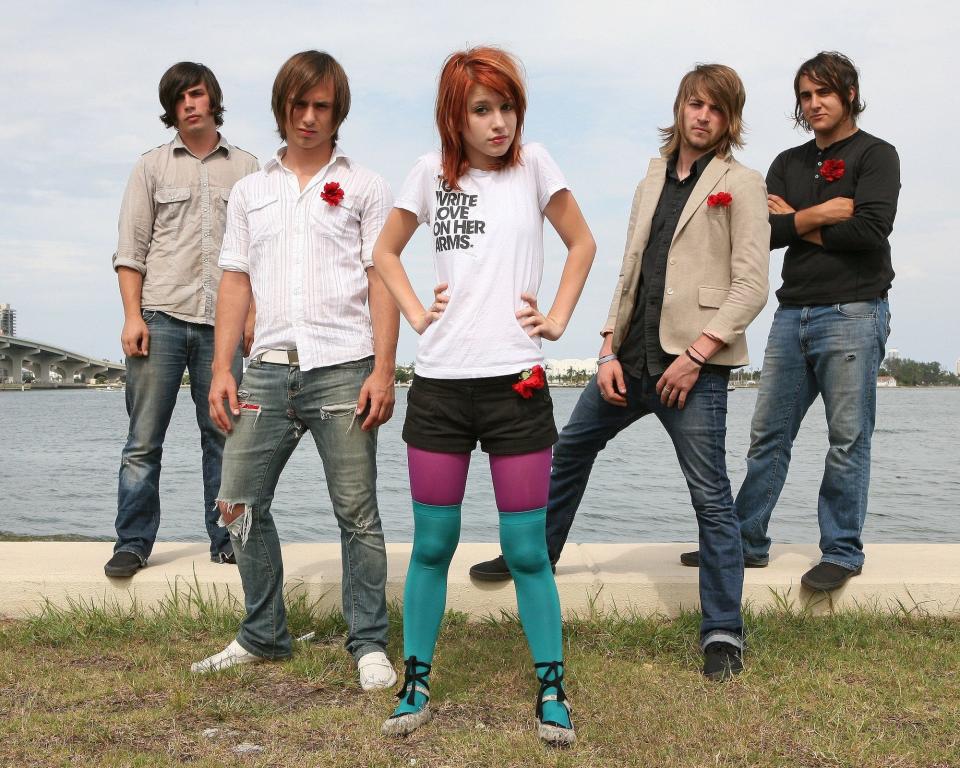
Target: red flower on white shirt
(721, 200)
(332, 193)
(832, 170)
(530, 381)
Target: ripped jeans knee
(236, 517)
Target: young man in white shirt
(299, 240)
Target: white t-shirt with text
(487, 242)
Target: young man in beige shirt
(171, 226)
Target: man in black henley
(832, 203)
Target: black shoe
(123, 564)
(825, 577)
(721, 661)
(226, 558)
(491, 570)
(692, 560)
(496, 570)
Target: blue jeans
(282, 402)
(834, 351)
(698, 433)
(153, 383)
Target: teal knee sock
(436, 532)
(523, 542)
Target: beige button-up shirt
(171, 225)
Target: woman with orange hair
(479, 369)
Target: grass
(96, 685)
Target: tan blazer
(716, 278)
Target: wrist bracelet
(698, 363)
(698, 352)
(605, 359)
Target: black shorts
(450, 415)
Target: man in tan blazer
(694, 276)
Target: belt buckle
(280, 357)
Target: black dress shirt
(641, 351)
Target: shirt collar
(338, 154)
(221, 144)
(698, 167)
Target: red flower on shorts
(332, 193)
(530, 381)
(832, 170)
(719, 200)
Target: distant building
(571, 370)
(8, 320)
(886, 381)
(956, 369)
(893, 354)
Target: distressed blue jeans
(153, 383)
(834, 351)
(699, 435)
(279, 403)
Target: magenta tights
(520, 483)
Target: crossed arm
(808, 221)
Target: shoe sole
(723, 675)
(121, 573)
(828, 587)
(490, 575)
(691, 563)
(556, 736)
(406, 724)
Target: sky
(79, 106)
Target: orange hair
(492, 68)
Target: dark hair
(487, 66)
(180, 77)
(719, 84)
(836, 72)
(300, 73)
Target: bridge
(45, 359)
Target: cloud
(81, 106)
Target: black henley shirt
(853, 264)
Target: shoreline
(592, 579)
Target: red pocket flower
(332, 193)
(530, 381)
(832, 170)
(719, 200)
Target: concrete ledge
(642, 578)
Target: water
(61, 450)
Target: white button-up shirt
(307, 259)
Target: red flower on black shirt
(530, 381)
(832, 170)
(721, 200)
(332, 193)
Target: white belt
(279, 357)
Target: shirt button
(670, 291)
(819, 163)
(817, 176)
(673, 261)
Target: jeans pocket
(858, 309)
(148, 314)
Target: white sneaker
(376, 671)
(230, 656)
